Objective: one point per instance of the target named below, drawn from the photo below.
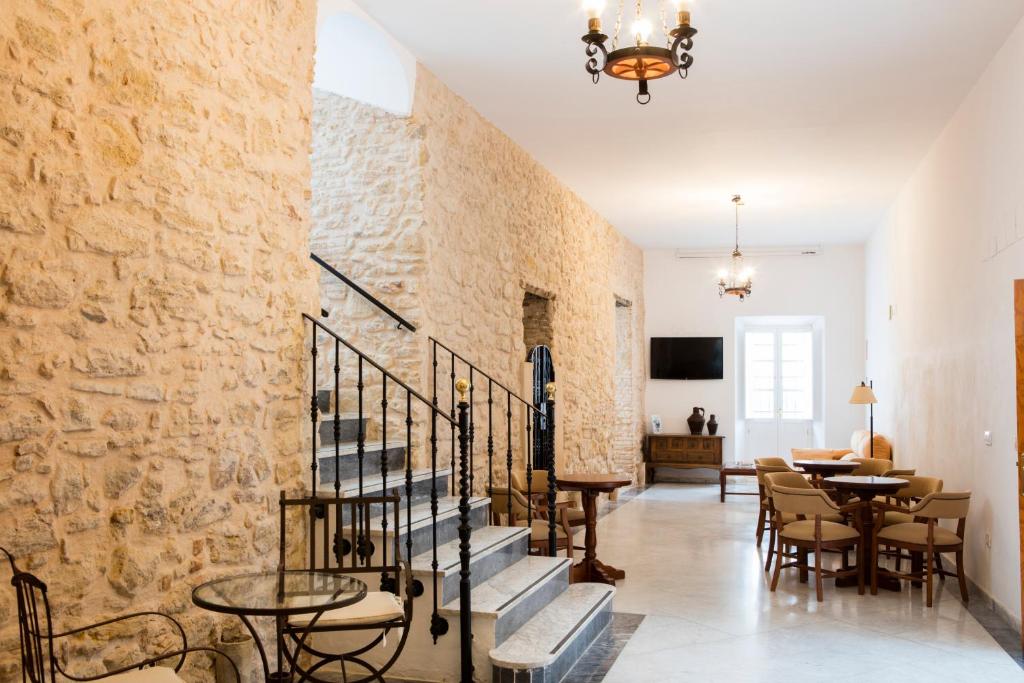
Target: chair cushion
(892, 518)
(153, 674)
(916, 532)
(575, 517)
(830, 531)
(539, 531)
(375, 607)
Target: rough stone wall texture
(452, 223)
(153, 235)
(537, 324)
(500, 224)
(629, 428)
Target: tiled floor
(694, 573)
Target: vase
(696, 421)
(712, 425)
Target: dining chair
(773, 461)
(503, 499)
(764, 518)
(40, 664)
(927, 538)
(811, 532)
(900, 473)
(338, 539)
(868, 467)
(791, 479)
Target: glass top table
(276, 593)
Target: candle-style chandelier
(738, 279)
(639, 61)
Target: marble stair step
(348, 459)
(348, 427)
(422, 531)
(492, 549)
(372, 482)
(513, 596)
(546, 647)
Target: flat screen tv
(686, 358)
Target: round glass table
(278, 594)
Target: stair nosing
(560, 565)
(474, 503)
(374, 481)
(517, 534)
(553, 654)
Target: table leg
(259, 646)
(721, 486)
(864, 552)
(590, 569)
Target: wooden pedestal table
(867, 488)
(591, 485)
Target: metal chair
(39, 664)
(380, 611)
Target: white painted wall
(682, 301)
(945, 257)
(357, 58)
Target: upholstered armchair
(570, 502)
(39, 663)
(810, 532)
(504, 499)
(926, 538)
(819, 453)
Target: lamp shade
(863, 395)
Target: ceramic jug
(696, 421)
(712, 425)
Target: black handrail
(402, 322)
(477, 371)
(379, 367)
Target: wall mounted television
(686, 358)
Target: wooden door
(1018, 290)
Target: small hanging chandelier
(737, 280)
(639, 61)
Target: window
(779, 374)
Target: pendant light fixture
(639, 60)
(737, 280)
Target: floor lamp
(864, 395)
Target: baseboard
(997, 607)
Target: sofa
(860, 447)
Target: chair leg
(803, 562)
(928, 577)
(899, 556)
(874, 568)
(817, 573)
(771, 548)
(778, 564)
(960, 574)
(938, 567)
(860, 577)
(760, 526)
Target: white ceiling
(816, 111)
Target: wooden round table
(819, 469)
(866, 488)
(591, 485)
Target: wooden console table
(682, 451)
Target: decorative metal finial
(549, 389)
(462, 386)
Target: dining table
(866, 488)
(820, 469)
(591, 486)
(278, 594)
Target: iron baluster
(360, 549)
(438, 625)
(314, 412)
(490, 437)
(465, 607)
(508, 453)
(408, 478)
(337, 419)
(472, 430)
(384, 583)
(453, 416)
(550, 391)
(529, 473)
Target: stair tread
(347, 448)
(484, 540)
(329, 416)
(421, 512)
(372, 482)
(504, 589)
(540, 640)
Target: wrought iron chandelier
(640, 61)
(737, 280)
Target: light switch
(987, 436)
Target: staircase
(484, 608)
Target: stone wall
(153, 238)
(501, 225)
(451, 223)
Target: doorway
(624, 442)
(780, 385)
